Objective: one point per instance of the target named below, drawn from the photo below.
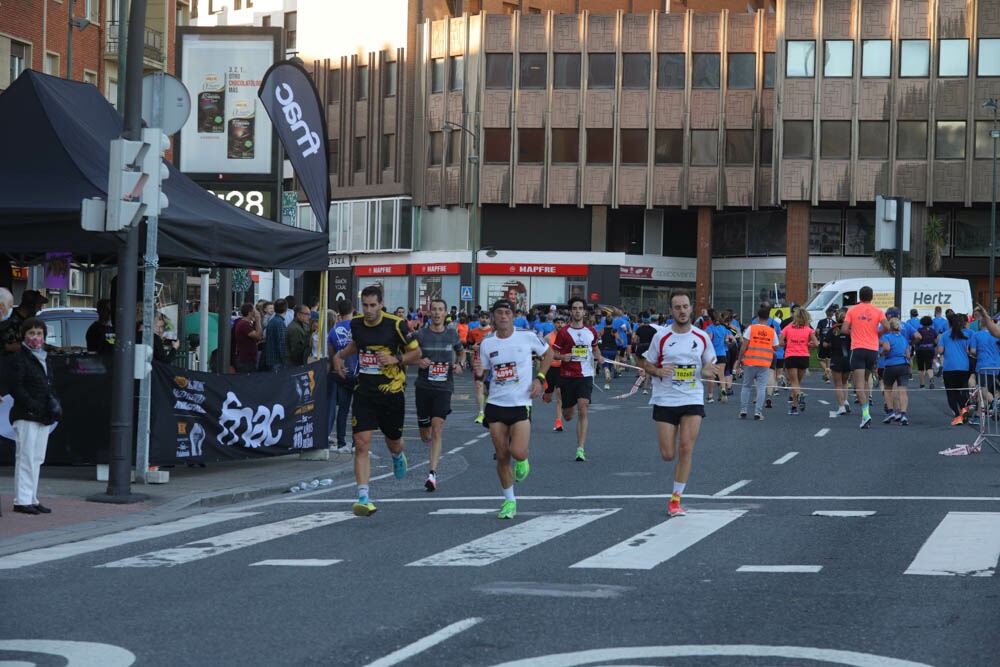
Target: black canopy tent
(54, 151)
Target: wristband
(541, 376)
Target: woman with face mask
(35, 409)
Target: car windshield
(822, 300)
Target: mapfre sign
(533, 269)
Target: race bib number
(368, 363)
(437, 372)
(504, 374)
(684, 375)
(579, 353)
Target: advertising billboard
(228, 133)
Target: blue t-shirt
(987, 350)
(544, 328)
(338, 339)
(719, 333)
(898, 344)
(621, 325)
(520, 322)
(940, 324)
(956, 351)
(911, 327)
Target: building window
(635, 71)
(953, 57)
(949, 140)
(989, 57)
(766, 147)
(496, 145)
(19, 56)
(389, 79)
(798, 139)
(361, 82)
(388, 150)
(499, 70)
(669, 147)
(291, 27)
(600, 143)
(769, 70)
(508, 8)
(565, 146)
(838, 61)
(360, 150)
(457, 73)
(51, 64)
(800, 59)
(704, 148)
(436, 149)
(670, 71)
(454, 148)
(859, 233)
(825, 227)
(742, 71)
(873, 140)
(984, 142)
(635, 146)
(567, 71)
(705, 70)
(532, 71)
(333, 156)
(602, 71)
(437, 75)
(911, 140)
(835, 139)
(739, 147)
(876, 58)
(531, 146)
(914, 58)
(333, 80)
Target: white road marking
(732, 487)
(637, 496)
(649, 548)
(820, 400)
(472, 442)
(455, 450)
(60, 551)
(513, 540)
(462, 510)
(786, 458)
(843, 513)
(964, 543)
(238, 539)
(427, 642)
(75, 654)
(298, 562)
(780, 568)
(484, 435)
(823, 431)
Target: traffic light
(155, 169)
(136, 173)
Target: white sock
(508, 494)
(679, 487)
(362, 490)
(396, 455)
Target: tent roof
(56, 135)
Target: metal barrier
(985, 403)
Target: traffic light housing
(155, 170)
(135, 179)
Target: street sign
(466, 292)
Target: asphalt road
(861, 548)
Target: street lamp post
(79, 24)
(474, 235)
(995, 135)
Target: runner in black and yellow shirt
(384, 345)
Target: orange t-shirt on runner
(864, 319)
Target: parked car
(67, 327)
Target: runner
(756, 354)
(896, 350)
(577, 347)
(862, 322)
(797, 338)
(641, 339)
(610, 345)
(678, 357)
(476, 337)
(984, 345)
(953, 346)
(508, 355)
(839, 345)
(720, 337)
(823, 353)
(442, 352)
(552, 376)
(384, 345)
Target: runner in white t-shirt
(678, 357)
(507, 352)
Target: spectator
(10, 331)
(101, 334)
(297, 345)
(290, 304)
(274, 339)
(341, 390)
(247, 334)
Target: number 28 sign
(257, 202)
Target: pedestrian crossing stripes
(964, 543)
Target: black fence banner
(291, 101)
(208, 417)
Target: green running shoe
(508, 510)
(521, 470)
(363, 507)
(479, 418)
(580, 455)
(399, 467)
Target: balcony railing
(152, 42)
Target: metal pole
(69, 43)
(476, 231)
(899, 254)
(123, 53)
(995, 135)
(203, 321)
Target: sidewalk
(65, 491)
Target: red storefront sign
(533, 269)
(447, 269)
(381, 270)
(635, 272)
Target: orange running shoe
(674, 506)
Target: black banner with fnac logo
(206, 417)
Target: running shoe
(932, 384)
(903, 421)
(889, 418)
(431, 484)
(973, 421)
(607, 385)
(580, 455)
(399, 466)
(645, 392)
(363, 507)
(826, 379)
(724, 398)
(898, 417)
(508, 510)
(479, 418)
(842, 410)
(710, 400)
(674, 507)
(758, 416)
(793, 410)
(558, 427)
(802, 403)
(743, 414)
(847, 407)
(887, 409)
(521, 470)
(866, 422)
(957, 421)
(767, 403)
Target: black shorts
(778, 364)
(925, 360)
(897, 374)
(823, 352)
(383, 411)
(552, 380)
(673, 414)
(840, 364)
(509, 416)
(574, 389)
(862, 359)
(432, 403)
(800, 363)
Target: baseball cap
(914, 312)
(892, 312)
(502, 303)
(33, 298)
(553, 307)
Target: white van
(924, 294)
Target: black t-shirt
(645, 334)
(101, 338)
(608, 340)
(390, 335)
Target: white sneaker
(841, 411)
